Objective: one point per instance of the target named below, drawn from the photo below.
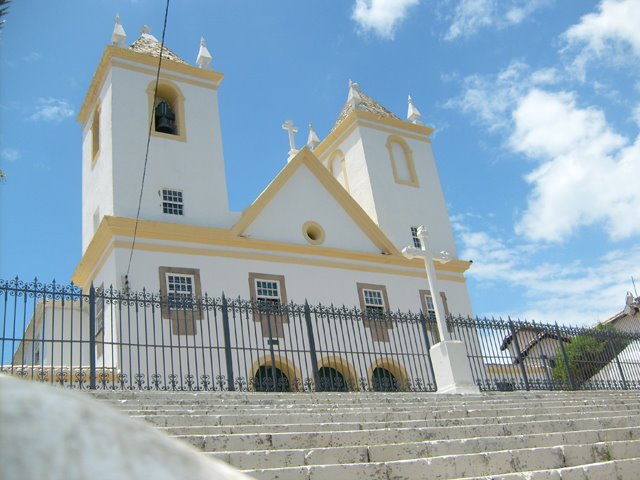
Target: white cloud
(10, 154)
(586, 171)
(573, 293)
(492, 98)
(612, 35)
(381, 17)
(470, 16)
(52, 110)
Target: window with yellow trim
(401, 157)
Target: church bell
(165, 118)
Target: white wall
(303, 198)
(97, 185)
(195, 166)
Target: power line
(146, 155)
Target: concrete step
(393, 436)
(320, 439)
(316, 400)
(406, 451)
(198, 426)
(293, 409)
(213, 418)
(472, 465)
(621, 469)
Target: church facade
(328, 229)
(336, 215)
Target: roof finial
(288, 125)
(118, 36)
(312, 140)
(354, 94)
(413, 114)
(145, 30)
(204, 57)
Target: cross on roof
(289, 126)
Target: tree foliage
(588, 353)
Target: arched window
(338, 169)
(384, 381)
(168, 119)
(401, 156)
(331, 380)
(264, 380)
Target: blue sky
(536, 106)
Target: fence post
(519, 358)
(425, 334)
(565, 358)
(92, 338)
(227, 344)
(312, 344)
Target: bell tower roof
(360, 101)
(150, 45)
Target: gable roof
(150, 45)
(366, 104)
(332, 186)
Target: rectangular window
(180, 288)
(269, 291)
(179, 291)
(373, 303)
(414, 236)
(430, 308)
(172, 203)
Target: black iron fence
(109, 339)
(507, 355)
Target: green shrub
(588, 353)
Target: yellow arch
(343, 367)
(408, 155)
(397, 370)
(287, 368)
(171, 92)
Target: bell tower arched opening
(167, 115)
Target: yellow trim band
(103, 243)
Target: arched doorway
(331, 380)
(264, 381)
(382, 380)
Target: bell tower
(124, 107)
(388, 167)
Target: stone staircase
(393, 436)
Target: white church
(328, 229)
